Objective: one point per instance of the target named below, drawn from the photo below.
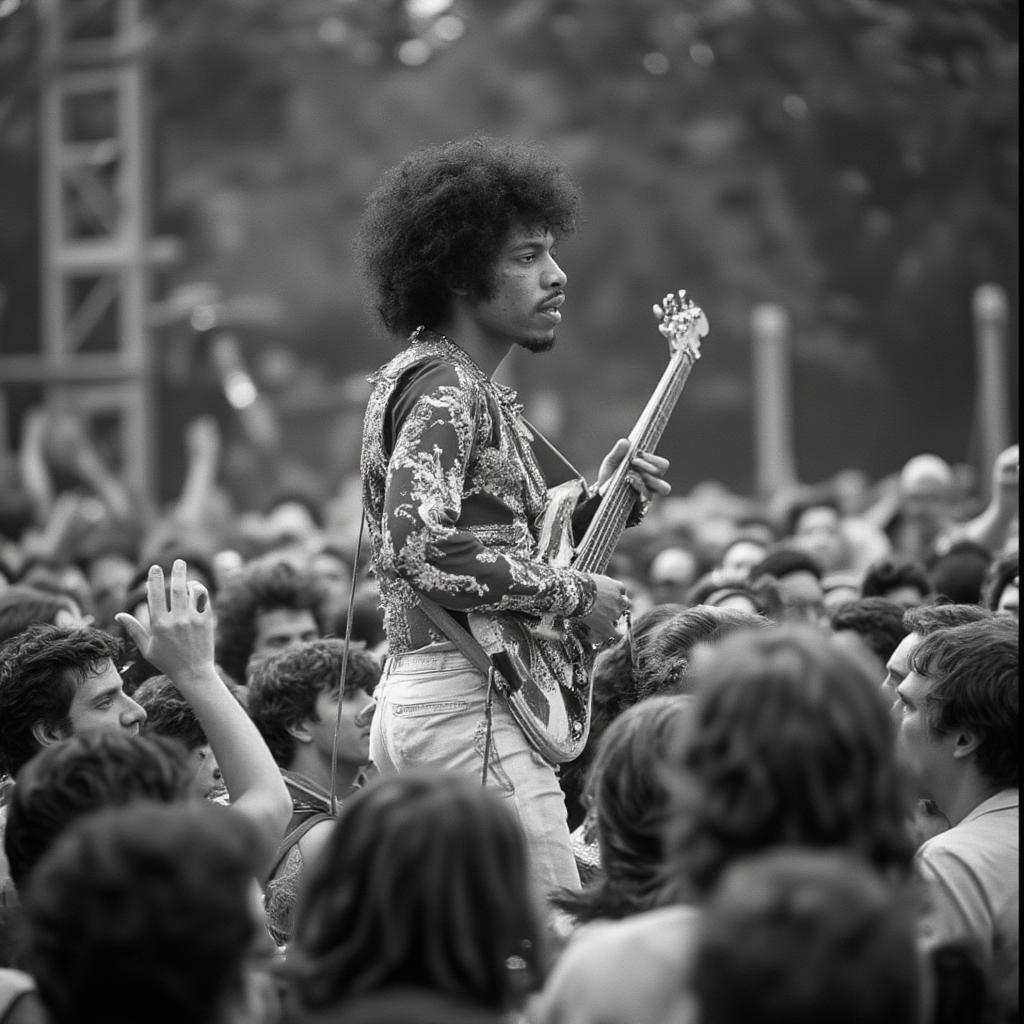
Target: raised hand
(179, 640)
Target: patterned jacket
(454, 486)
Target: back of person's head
(878, 621)
(974, 672)
(40, 669)
(21, 607)
(424, 883)
(890, 575)
(143, 913)
(82, 774)
(630, 800)
(806, 937)
(257, 588)
(792, 744)
(783, 560)
(168, 713)
(959, 573)
(669, 653)
(927, 618)
(283, 690)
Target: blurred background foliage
(854, 160)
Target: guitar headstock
(681, 322)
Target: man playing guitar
(458, 243)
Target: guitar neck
(595, 550)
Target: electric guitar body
(545, 665)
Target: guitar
(544, 664)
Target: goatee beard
(538, 345)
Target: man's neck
(969, 791)
(486, 350)
(308, 763)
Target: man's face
(741, 558)
(897, 668)
(206, 780)
(354, 734)
(926, 753)
(802, 597)
(529, 288)
(101, 703)
(283, 628)
(818, 533)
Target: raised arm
(179, 642)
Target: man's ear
(966, 744)
(48, 733)
(299, 731)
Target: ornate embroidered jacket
(454, 491)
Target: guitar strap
(475, 654)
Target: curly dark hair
(889, 574)
(878, 621)
(439, 219)
(974, 670)
(256, 588)
(82, 774)
(143, 913)
(792, 744)
(284, 688)
(168, 713)
(443, 909)
(40, 669)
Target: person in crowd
(740, 555)
(169, 714)
(265, 608)
(667, 664)
(615, 687)
(672, 572)
(840, 587)
(815, 525)
(81, 775)
(870, 626)
(1001, 589)
(294, 701)
(926, 519)
(458, 246)
(900, 580)
(56, 681)
(959, 734)
(794, 936)
(762, 597)
(21, 607)
(798, 578)
(791, 745)
(628, 800)
(919, 622)
(420, 902)
(958, 574)
(145, 913)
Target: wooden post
(775, 459)
(990, 315)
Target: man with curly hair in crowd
(458, 244)
(265, 608)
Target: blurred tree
(855, 160)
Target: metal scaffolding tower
(94, 351)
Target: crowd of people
(246, 781)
